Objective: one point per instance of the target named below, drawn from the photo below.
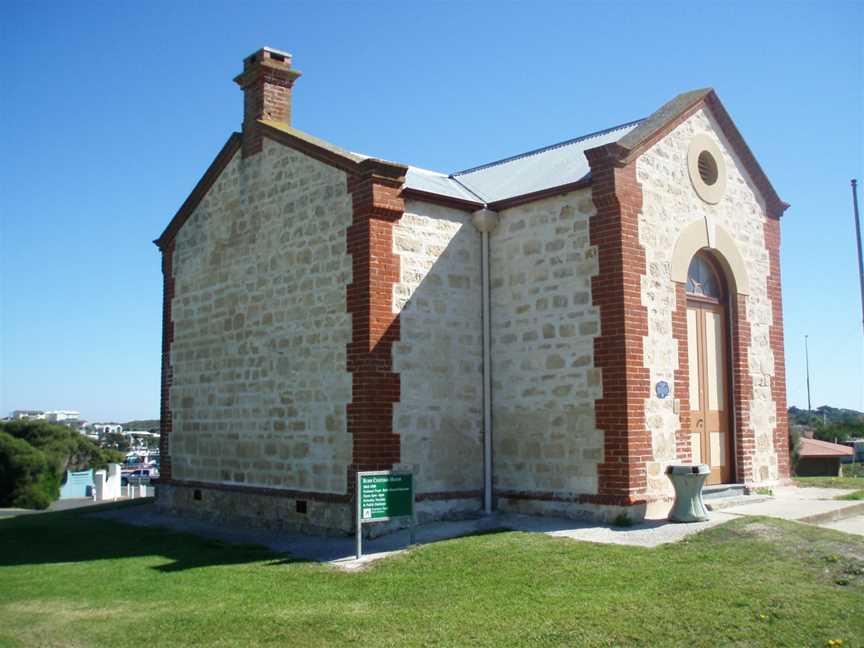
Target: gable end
(210, 176)
(320, 150)
(675, 112)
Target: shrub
(622, 520)
(64, 447)
(794, 447)
(34, 455)
(855, 469)
(27, 477)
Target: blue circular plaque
(662, 389)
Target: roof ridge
(550, 147)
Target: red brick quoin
(775, 336)
(683, 446)
(165, 422)
(742, 390)
(375, 327)
(616, 292)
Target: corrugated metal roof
(551, 166)
(437, 183)
(544, 168)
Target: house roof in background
(817, 448)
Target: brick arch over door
(696, 237)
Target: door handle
(700, 422)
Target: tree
(36, 454)
(66, 448)
(27, 477)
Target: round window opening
(708, 168)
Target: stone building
(543, 334)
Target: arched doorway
(708, 360)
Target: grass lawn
(856, 483)
(854, 495)
(67, 579)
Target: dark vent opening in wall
(707, 168)
(276, 57)
(301, 506)
(196, 494)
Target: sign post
(381, 496)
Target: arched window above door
(702, 279)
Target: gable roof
(817, 448)
(564, 166)
(551, 166)
(314, 147)
(673, 113)
(515, 180)
(210, 176)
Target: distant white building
(107, 428)
(60, 416)
(28, 415)
(68, 417)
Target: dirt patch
(838, 557)
(50, 619)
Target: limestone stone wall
(260, 328)
(669, 205)
(543, 330)
(242, 508)
(439, 358)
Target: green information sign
(385, 496)
(382, 495)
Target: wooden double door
(710, 411)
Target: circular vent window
(707, 170)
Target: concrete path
(813, 505)
(809, 505)
(339, 551)
(849, 525)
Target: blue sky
(111, 111)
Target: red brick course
(312, 496)
(617, 294)
(586, 498)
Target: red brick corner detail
(616, 292)
(681, 377)
(165, 421)
(742, 390)
(775, 337)
(375, 327)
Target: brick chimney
(266, 82)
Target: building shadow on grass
(86, 535)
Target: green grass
(69, 580)
(856, 483)
(854, 495)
